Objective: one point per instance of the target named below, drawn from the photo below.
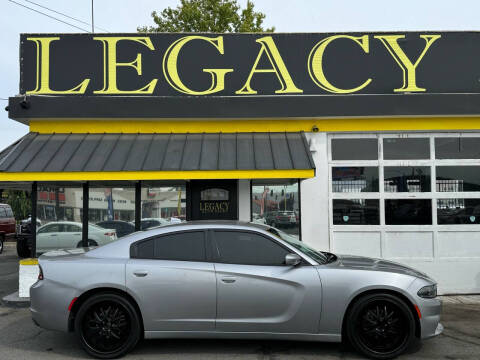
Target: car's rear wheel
(108, 326)
(90, 243)
(380, 326)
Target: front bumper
(431, 310)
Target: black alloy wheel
(108, 326)
(381, 326)
(90, 243)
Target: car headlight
(428, 292)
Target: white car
(68, 234)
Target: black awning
(156, 152)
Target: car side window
(72, 228)
(9, 212)
(181, 246)
(248, 248)
(3, 213)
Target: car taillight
(109, 233)
(278, 216)
(40, 273)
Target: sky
(286, 15)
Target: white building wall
(314, 196)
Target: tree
(220, 16)
(20, 203)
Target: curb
(14, 301)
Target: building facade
(365, 144)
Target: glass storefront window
(356, 212)
(407, 179)
(355, 149)
(163, 205)
(406, 148)
(458, 178)
(458, 211)
(355, 179)
(408, 212)
(457, 148)
(111, 214)
(278, 205)
(59, 217)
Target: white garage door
(412, 198)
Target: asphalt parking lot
(21, 339)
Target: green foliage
(20, 203)
(219, 16)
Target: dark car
(282, 218)
(7, 224)
(122, 228)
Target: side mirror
(292, 259)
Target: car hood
(366, 263)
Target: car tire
(22, 249)
(107, 326)
(2, 239)
(380, 326)
(90, 243)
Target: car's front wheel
(107, 325)
(380, 326)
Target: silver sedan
(230, 280)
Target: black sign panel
(243, 65)
(213, 200)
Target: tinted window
(185, 246)
(408, 212)
(236, 247)
(72, 228)
(406, 148)
(355, 179)
(356, 212)
(457, 148)
(458, 211)
(3, 213)
(354, 149)
(458, 178)
(145, 249)
(407, 179)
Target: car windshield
(318, 256)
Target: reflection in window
(356, 212)
(355, 149)
(458, 211)
(407, 179)
(214, 194)
(408, 212)
(277, 205)
(59, 209)
(457, 148)
(458, 178)
(163, 205)
(355, 179)
(406, 148)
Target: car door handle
(140, 273)
(229, 280)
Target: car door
(173, 283)
(71, 236)
(47, 237)
(256, 292)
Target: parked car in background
(7, 224)
(122, 228)
(281, 218)
(258, 219)
(231, 280)
(147, 223)
(68, 234)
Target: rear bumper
(49, 305)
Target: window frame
(382, 195)
(134, 245)
(216, 257)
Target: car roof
(214, 223)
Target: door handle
(140, 273)
(229, 280)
